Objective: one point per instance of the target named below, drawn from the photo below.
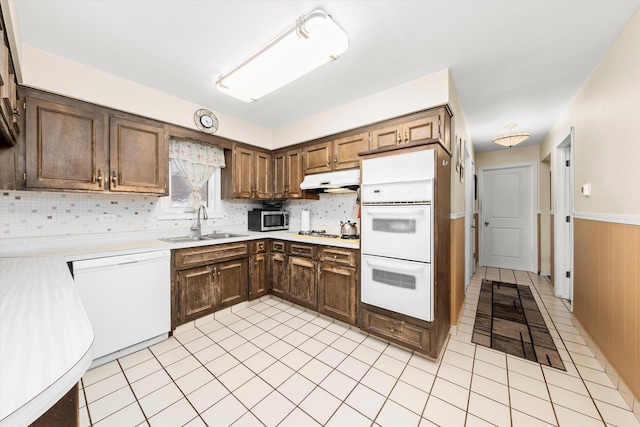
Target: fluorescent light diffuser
(315, 40)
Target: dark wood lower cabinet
(259, 278)
(337, 292)
(409, 335)
(206, 279)
(231, 281)
(197, 292)
(303, 285)
(64, 413)
(278, 275)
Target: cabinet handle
(399, 137)
(335, 159)
(114, 179)
(406, 137)
(99, 178)
(392, 329)
(328, 162)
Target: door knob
(486, 223)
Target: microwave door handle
(401, 213)
(391, 266)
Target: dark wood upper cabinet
(65, 146)
(247, 174)
(345, 151)
(287, 174)
(317, 158)
(139, 157)
(411, 131)
(77, 146)
(341, 153)
(9, 108)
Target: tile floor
(274, 364)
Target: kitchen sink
(212, 236)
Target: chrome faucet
(198, 228)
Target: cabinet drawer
(338, 255)
(259, 246)
(302, 250)
(278, 246)
(206, 254)
(397, 330)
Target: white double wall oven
(396, 233)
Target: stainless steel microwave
(265, 220)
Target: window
(194, 160)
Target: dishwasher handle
(110, 261)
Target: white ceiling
(511, 61)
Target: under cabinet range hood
(332, 182)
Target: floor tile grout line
(579, 375)
(86, 401)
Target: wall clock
(206, 121)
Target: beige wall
(419, 94)
(59, 75)
(605, 113)
(458, 130)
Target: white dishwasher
(127, 299)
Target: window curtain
(197, 162)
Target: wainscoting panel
(457, 268)
(607, 292)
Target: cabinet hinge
(567, 163)
(568, 274)
(568, 218)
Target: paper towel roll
(305, 221)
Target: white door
(469, 223)
(563, 220)
(507, 216)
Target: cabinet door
(345, 151)
(139, 157)
(262, 176)
(317, 158)
(386, 137)
(259, 275)
(279, 176)
(337, 292)
(65, 146)
(278, 280)
(294, 173)
(232, 281)
(416, 130)
(243, 173)
(197, 293)
(302, 282)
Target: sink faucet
(198, 228)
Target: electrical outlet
(107, 218)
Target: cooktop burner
(319, 233)
(323, 233)
(351, 237)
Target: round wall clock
(206, 121)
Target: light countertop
(45, 334)
(45, 337)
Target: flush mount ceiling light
(512, 138)
(314, 40)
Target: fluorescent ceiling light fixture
(512, 138)
(314, 40)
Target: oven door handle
(395, 266)
(401, 213)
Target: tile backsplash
(35, 213)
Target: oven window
(394, 279)
(274, 220)
(394, 225)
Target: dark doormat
(508, 319)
